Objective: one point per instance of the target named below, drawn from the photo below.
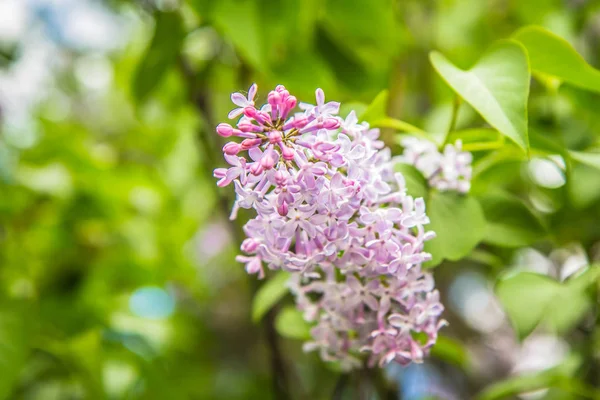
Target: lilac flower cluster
(331, 211)
(450, 170)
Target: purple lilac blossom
(331, 211)
(447, 170)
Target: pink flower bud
(249, 127)
(248, 144)
(281, 178)
(250, 112)
(282, 209)
(291, 102)
(267, 160)
(325, 147)
(331, 123)
(286, 152)
(224, 130)
(232, 148)
(274, 136)
(250, 245)
(259, 116)
(274, 99)
(300, 122)
(256, 169)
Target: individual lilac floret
(331, 211)
(450, 170)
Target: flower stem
(455, 108)
(382, 385)
(340, 387)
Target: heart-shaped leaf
(583, 184)
(525, 297)
(269, 294)
(510, 223)
(552, 55)
(497, 86)
(452, 351)
(459, 224)
(291, 324)
(160, 55)
(416, 184)
(530, 299)
(377, 109)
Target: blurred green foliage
(117, 193)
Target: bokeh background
(117, 270)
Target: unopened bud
(283, 209)
(248, 144)
(331, 123)
(232, 148)
(224, 130)
(250, 245)
(287, 153)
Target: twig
(455, 108)
(340, 387)
(210, 148)
(381, 384)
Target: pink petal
(320, 95)
(252, 92)
(233, 114)
(239, 100)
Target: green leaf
(487, 258)
(14, 344)
(160, 55)
(203, 8)
(240, 22)
(451, 351)
(365, 29)
(497, 86)
(583, 185)
(341, 62)
(416, 184)
(269, 294)
(552, 55)
(85, 352)
(376, 115)
(530, 299)
(377, 110)
(567, 308)
(291, 324)
(510, 223)
(573, 302)
(506, 155)
(397, 125)
(586, 278)
(357, 107)
(557, 377)
(477, 139)
(543, 144)
(525, 297)
(587, 158)
(459, 224)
